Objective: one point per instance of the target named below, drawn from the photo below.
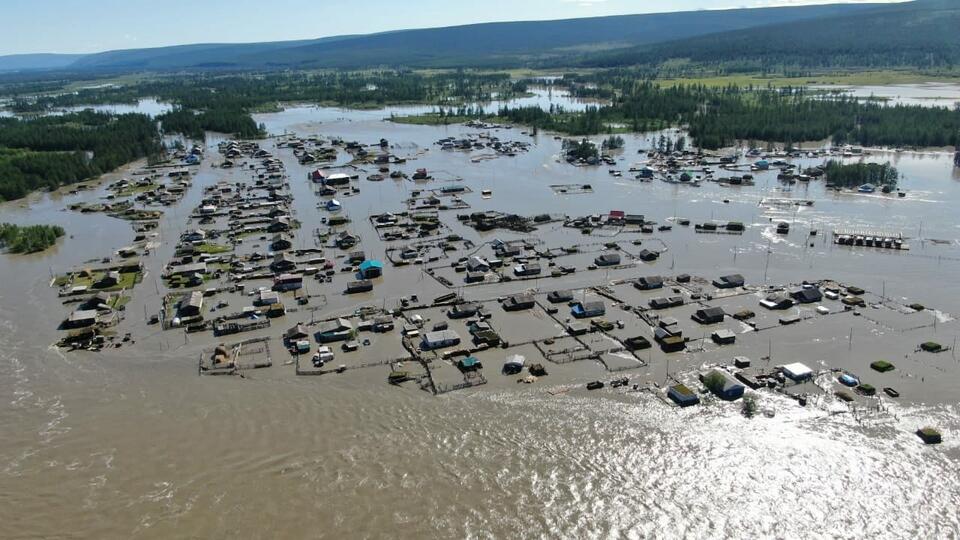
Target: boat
(595, 385)
(891, 392)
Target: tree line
(30, 238)
(48, 152)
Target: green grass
(213, 249)
(862, 78)
(127, 281)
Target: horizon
(49, 34)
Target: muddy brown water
(132, 443)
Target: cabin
(723, 337)
(666, 303)
(296, 333)
(191, 306)
(280, 243)
(710, 315)
(371, 269)
(585, 310)
(637, 343)
(439, 340)
(280, 224)
(527, 269)
(607, 259)
(729, 282)
(646, 255)
(777, 302)
(382, 324)
(518, 302)
(797, 372)
(470, 363)
(336, 330)
(683, 396)
(560, 297)
(477, 264)
(722, 385)
(361, 286)
(283, 262)
(670, 340)
(81, 318)
(288, 282)
(807, 295)
(649, 283)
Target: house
(616, 217)
(723, 337)
(560, 297)
(637, 343)
(607, 259)
(101, 300)
(266, 298)
(364, 285)
(649, 283)
(280, 224)
(665, 303)
(729, 282)
(110, 279)
(196, 235)
(337, 179)
(683, 396)
(518, 302)
(797, 372)
(646, 255)
(584, 310)
(439, 340)
(192, 306)
(339, 329)
(283, 262)
(777, 302)
(477, 264)
(463, 311)
(577, 329)
(722, 384)
(470, 363)
(280, 243)
(81, 318)
(807, 295)
(634, 219)
(527, 269)
(298, 332)
(670, 340)
(371, 269)
(382, 324)
(288, 282)
(710, 315)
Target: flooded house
(283, 262)
(666, 302)
(807, 295)
(371, 269)
(339, 329)
(288, 282)
(585, 310)
(361, 286)
(527, 269)
(777, 301)
(518, 302)
(722, 384)
(648, 283)
(81, 318)
(439, 339)
(607, 259)
(191, 306)
(731, 281)
(710, 315)
(683, 396)
(560, 297)
(463, 311)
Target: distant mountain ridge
(923, 33)
(475, 45)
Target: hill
(476, 45)
(917, 34)
(19, 62)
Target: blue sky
(82, 26)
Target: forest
(51, 151)
(30, 238)
(856, 174)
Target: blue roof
(469, 361)
(366, 265)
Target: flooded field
(131, 442)
(926, 94)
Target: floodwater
(131, 443)
(931, 94)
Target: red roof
(617, 214)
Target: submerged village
(329, 256)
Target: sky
(85, 26)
